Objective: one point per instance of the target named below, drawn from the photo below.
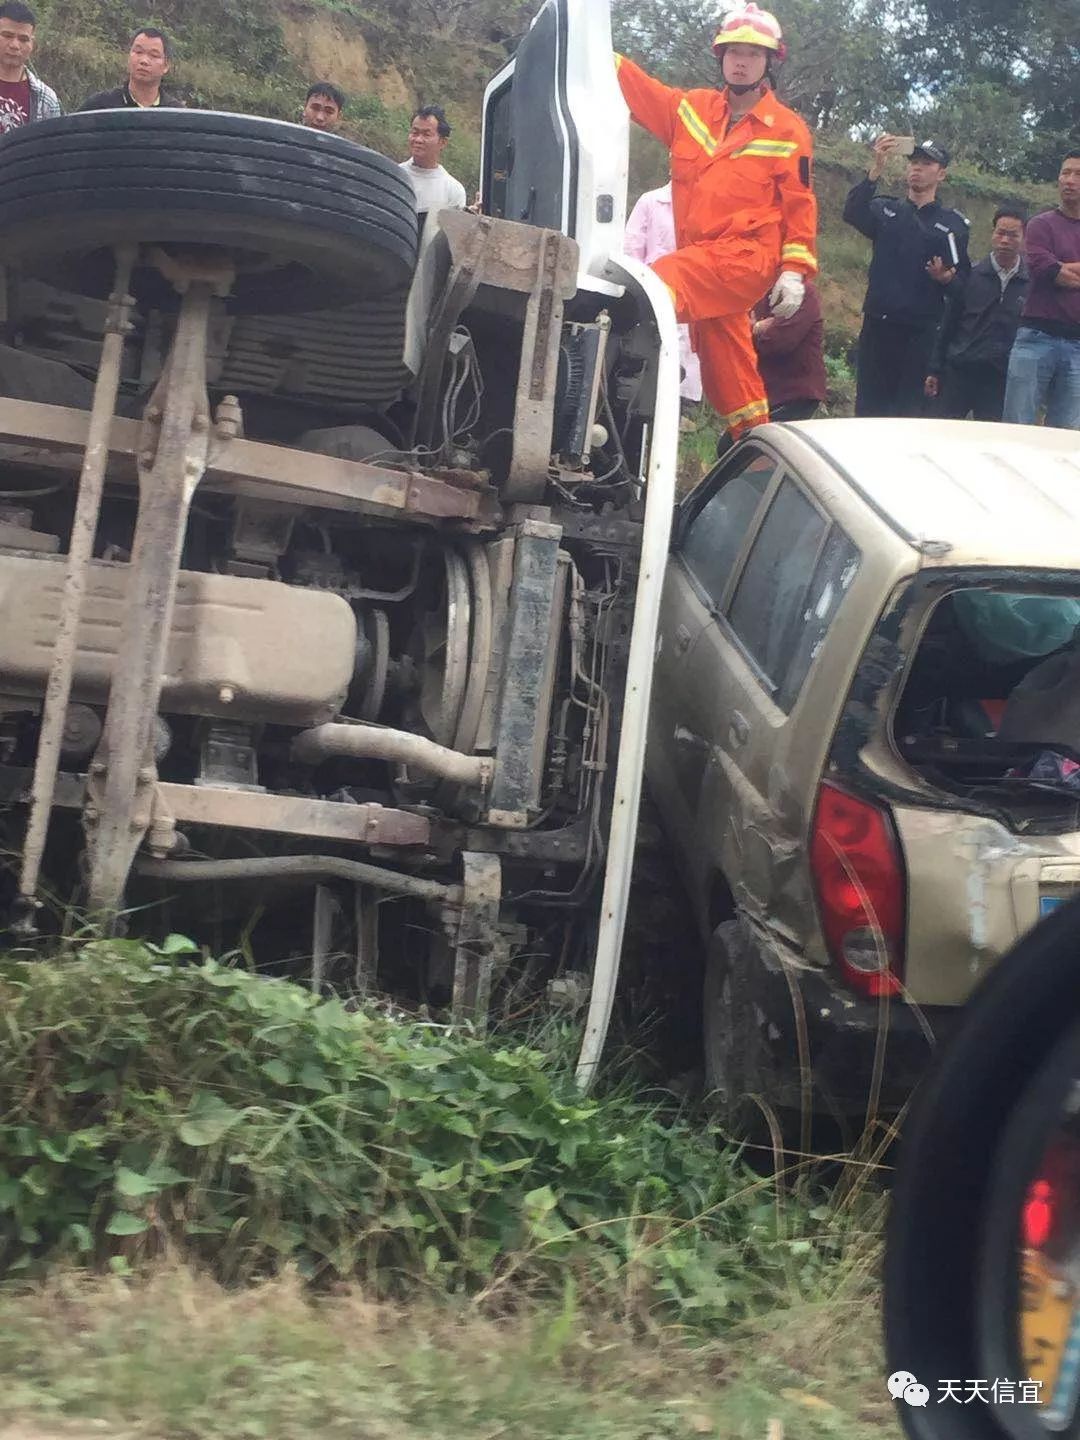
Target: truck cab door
(556, 132)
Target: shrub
(148, 1104)
(840, 379)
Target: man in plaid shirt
(23, 97)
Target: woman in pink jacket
(650, 233)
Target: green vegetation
(149, 1105)
(995, 83)
(239, 49)
(573, 1267)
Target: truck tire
(313, 219)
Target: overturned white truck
(329, 581)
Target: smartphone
(905, 144)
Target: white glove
(787, 294)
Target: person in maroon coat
(790, 357)
(791, 360)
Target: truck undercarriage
(290, 619)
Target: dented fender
(978, 885)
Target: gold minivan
(865, 740)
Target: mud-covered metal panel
(238, 648)
(53, 436)
(521, 715)
(293, 815)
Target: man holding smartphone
(920, 251)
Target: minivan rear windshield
(992, 694)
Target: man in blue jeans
(1044, 367)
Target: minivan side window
(768, 609)
(836, 569)
(716, 534)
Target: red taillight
(1038, 1215)
(860, 888)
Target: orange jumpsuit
(744, 210)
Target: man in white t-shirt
(436, 189)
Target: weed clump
(149, 1105)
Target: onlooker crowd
(24, 98)
(997, 340)
(940, 336)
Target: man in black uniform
(920, 250)
(971, 354)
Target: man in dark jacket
(971, 353)
(920, 249)
(149, 57)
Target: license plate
(1047, 1309)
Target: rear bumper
(845, 1036)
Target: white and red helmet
(749, 25)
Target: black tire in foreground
(953, 1293)
(313, 219)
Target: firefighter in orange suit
(745, 212)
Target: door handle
(739, 729)
(682, 639)
(690, 741)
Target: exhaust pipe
(373, 742)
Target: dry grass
(174, 1355)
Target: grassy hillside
(259, 56)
